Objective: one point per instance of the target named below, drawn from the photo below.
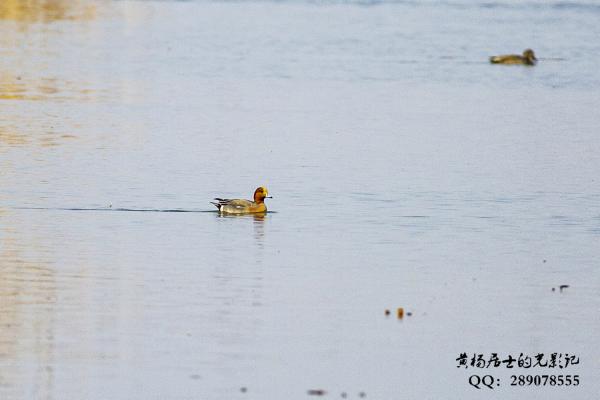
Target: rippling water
(406, 172)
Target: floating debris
(316, 392)
(561, 288)
(243, 389)
(362, 395)
(344, 395)
(400, 313)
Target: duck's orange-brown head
(260, 194)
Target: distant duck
(528, 58)
(241, 206)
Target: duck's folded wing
(507, 59)
(500, 59)
(235, 203)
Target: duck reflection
(258, 225)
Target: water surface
(406, 172)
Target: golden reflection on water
(35, 92)
(46, 10)
(28, 288)
(21, 127)
(12, 89)
(259, 227)
(10, 136)
(16, 87)
(27, 301)
(22, 76)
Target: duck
(528, 58)
(241, 206)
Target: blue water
(406, 171)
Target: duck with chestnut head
(241, 206)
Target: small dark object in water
(387, 312)
(195, 376)
(344, 395)
(544, 261)
(362, 395)
(561, 287)
(316, 392)
(243, 389)
(553, 289)
(400, 313)
(408, 313)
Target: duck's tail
(219, 202)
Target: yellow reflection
(259, 217)
(11, 88)
(46, 10)
(11, 137)
(15, 87)
(24, 128)
(259, 228)
(27, 298)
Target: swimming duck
(528, 58)
(241, 206)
